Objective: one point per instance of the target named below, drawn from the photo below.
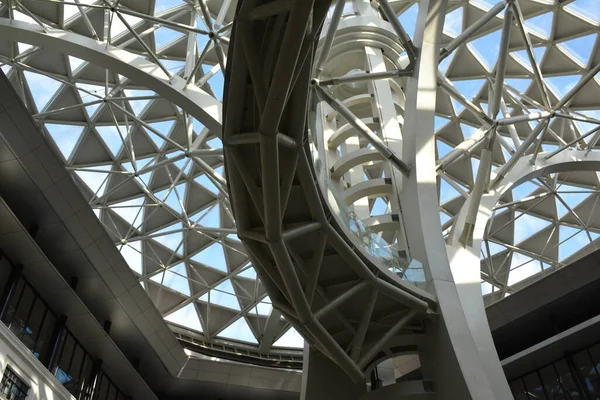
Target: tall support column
(322, 379)
(450, 356)
(51, 357)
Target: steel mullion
(578, 139)
(225, 6)
(467, 33)
(86, 20)
(537, 73)
(205, 51)
(174, 25)
(328, 41)
(143, 44)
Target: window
(30, 319)
(13, 388)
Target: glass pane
(595, 354)
(534, 386)
(550, 383)
(75, 370)
(518, 390)
(64, 360)
(588, 373)
(5, 270)
(34, 323)
(43, 343)
(565, 380)
(14, 300)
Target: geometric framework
(550, 95)
(549, 102)
(152, 173)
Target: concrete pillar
(322, 379)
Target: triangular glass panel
(526, 225)
(494, 247)
(129, 210)
(290, 339)
(186, 316)
(519, 84)
(207, 183)
(486, 47)
(112, 137)
(541, 24)
(469, 88)
(523, 58)
(571, 241)
(163, 127)
(239, 330)
(212, 256)
(173, 66)
(216, 82)
(172, 196)
(444, 218)
(249, 273)
(561, 85)
(96, 181)
(475, 167)
(171, 237)
(408, 19)
(379, 207)
(445, 63)
(90, 93)
(523, 190)
(224, 295)
(585, 8)
(571, 195)
(447, 192)
(75, 63)
(453, 22)
(580, 48)
(163, 5)
(522, 267)
(458, 107)
(486, 288)
(585, 127)
(174, 278)
(138, 105)
(164, 36)
(442, 148)
(65, 137)
(132, 253)
(211, 218)
(263, 307)
(42, 88)
(467, 130)
(119, 27)
(215, 143)
(440, 122)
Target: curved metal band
(194, 100)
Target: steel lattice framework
(131, 97)
(129, 91)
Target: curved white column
(465, 262)
(194, 100)
(451, 358)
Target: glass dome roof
(154, 174)
(546, 223)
